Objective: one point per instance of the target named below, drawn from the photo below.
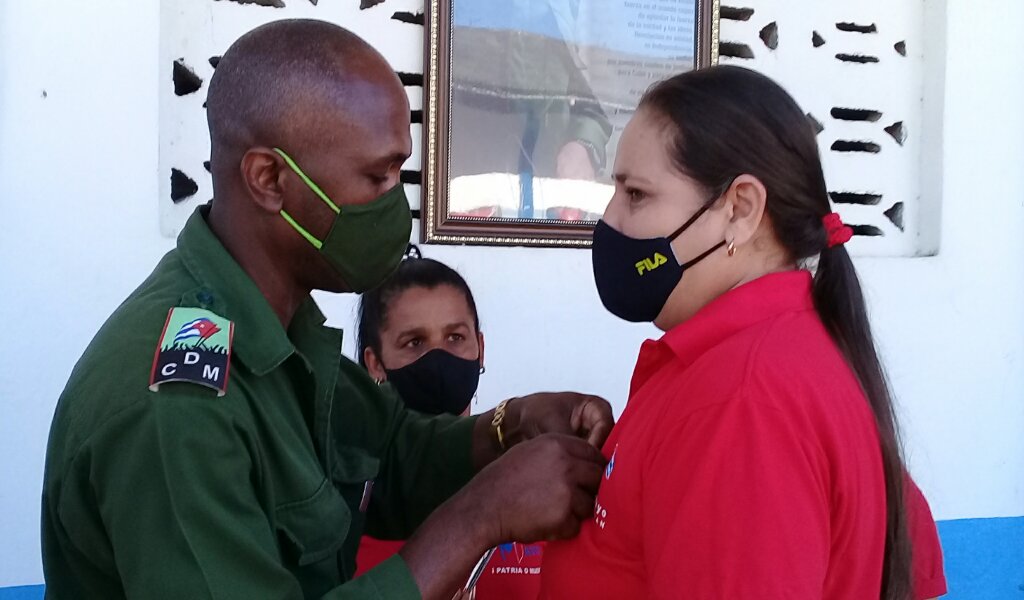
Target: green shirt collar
(261, 342)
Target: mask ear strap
(689, 264)
(302, 230)
(700, 212)
(309, 182)
(690, 221)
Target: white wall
(79, 185)
(952, 326)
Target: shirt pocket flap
(317, 526)
(354, 466)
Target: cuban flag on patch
(195, 347)
(201, 328)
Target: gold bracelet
(499, 418)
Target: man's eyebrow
(395, 157)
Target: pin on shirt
(611, 464)
(364, 503)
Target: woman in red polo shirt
(757, 456)
(420, 332)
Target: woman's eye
(635, 195)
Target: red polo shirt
(746, 465)
(927, 569)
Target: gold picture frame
(439, 224)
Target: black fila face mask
(635, 277)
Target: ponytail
(840, 304)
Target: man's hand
(579, 415)
(543, 489)
(587, 417)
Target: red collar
(738, 309)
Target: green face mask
(367, 241)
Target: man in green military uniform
(213, 443)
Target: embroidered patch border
(195, 347)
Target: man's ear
(373, 365)
(263, 172)
(746, 200)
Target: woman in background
(757, 456)
(420, 332)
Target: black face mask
(437, 382)
(635, 277)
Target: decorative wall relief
(858, 69)
(195, 33)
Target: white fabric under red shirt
(745, 465)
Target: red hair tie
(838, 233)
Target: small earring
(378, 381)
(483, 369)
(731, 248)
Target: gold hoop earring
(731, 248)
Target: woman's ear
(373, 365)
(746, 199)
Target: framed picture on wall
(525, 101)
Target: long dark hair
(729, 121)
(413, 272)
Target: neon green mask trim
(302, 230)
(366, 241)
(316, 189)
(313, 186)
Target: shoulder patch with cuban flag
(195, 347)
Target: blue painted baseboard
(984, 558)
(26, 592)
(984, 561)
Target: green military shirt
(178, 493)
